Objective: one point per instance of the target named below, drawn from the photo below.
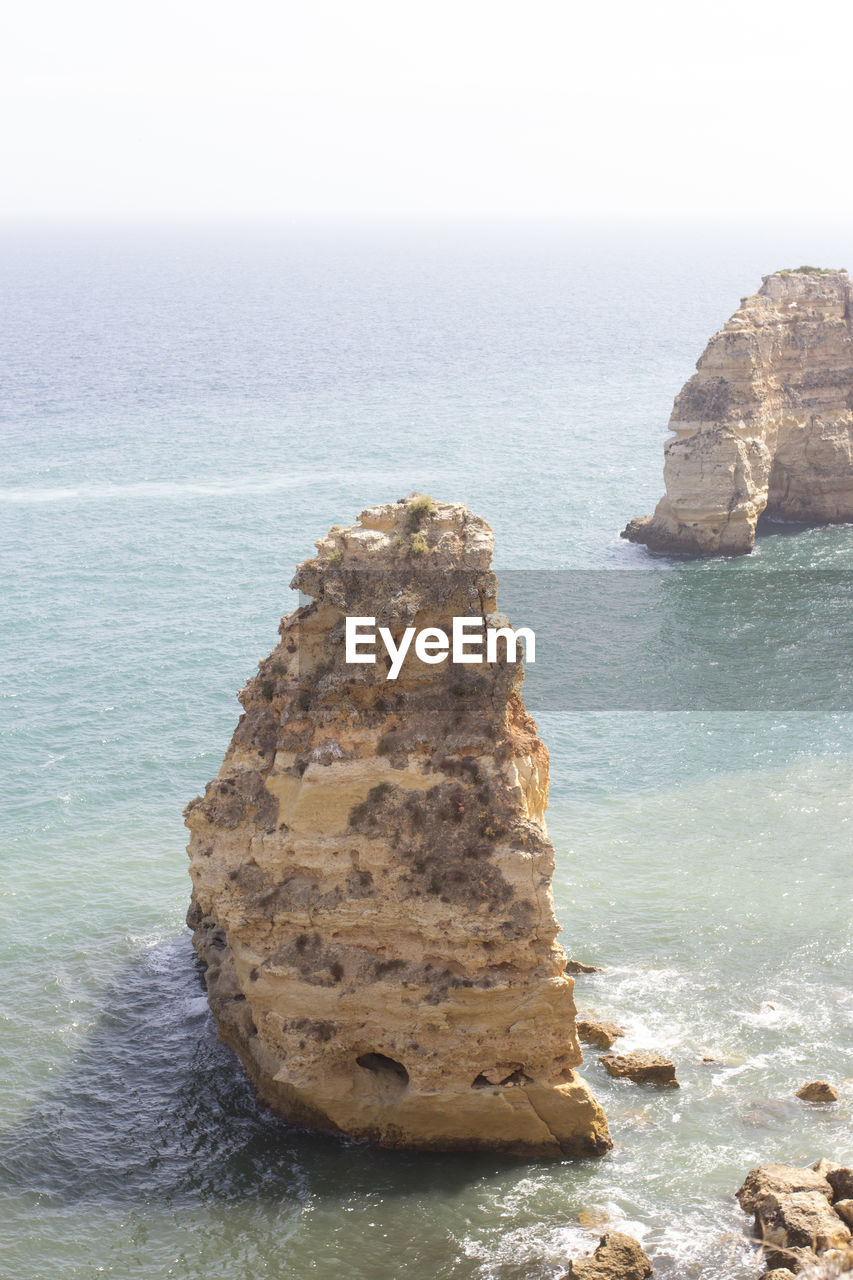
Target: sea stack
(372, 874)
(765, 424)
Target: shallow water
(184, 411)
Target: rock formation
(372, 875)
(766, 422)
(617, 1257)
(642, 1066)
(602, 1034)
(818, 1091)
(800, 1213)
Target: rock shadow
(154, 1110)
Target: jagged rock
(781, 1179)
(577, 966)
(642, 1067)
(824, 1167)
(765, 424)
(617, 1257)
(372, 874)
(799, 1220)
(818, 1091)
(601, 1034)
(840, 1178)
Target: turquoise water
(184, 409)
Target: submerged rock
(617, 1257)
(818, 1091)
(642, 1067)
(765, 425)
(372, 874)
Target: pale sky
(354, 107)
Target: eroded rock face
(372, 874)
(766, 422)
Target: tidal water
(183, 410)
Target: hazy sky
(398, 106)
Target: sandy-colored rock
(781, 1179)
(642, 1066)
(601, 1034)
(818, 1091)
(372, 873)
(844, 1209)
(765, 424)
(617, 1257)
(796, 1221)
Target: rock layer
(765, 425)
(372, 874)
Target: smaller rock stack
(766, 422)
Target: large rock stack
(372, 875)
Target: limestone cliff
(372, 875)
(765, 424)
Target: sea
(185, 407)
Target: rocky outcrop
(617, 1257)
(781, 1179)
(372, 873)
(642, 1066)
(601, 1034)
(797, 1216)
(765, 425)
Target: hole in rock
(383, 1066)
(515, 1077)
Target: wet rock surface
(818, 1091)
(617, 1257)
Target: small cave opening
(515, 1077)
(383, 1066)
